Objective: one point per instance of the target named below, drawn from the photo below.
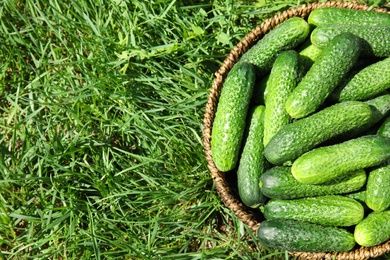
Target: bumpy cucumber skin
(375, 40)
(381, 104)
(378, 189)
(284, 77)
(285, 36)
(252, 161)
(368, 83)
(384, 130)
(326, 163)
(329, 15)
(374, 229)
(230, 118)
(309, 55)
(358, 196)
(298, 236)
(361, 63)
(378, 183)
(380, 107)
(278, 183)
(330, 210)
(325, 74)
(300, 136)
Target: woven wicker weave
(222, 183)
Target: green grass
(101, 106)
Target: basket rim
(231, 200)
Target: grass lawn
(101, 106)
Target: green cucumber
(309, 55)
(230, 118)
(285, 36)
(367, 83)
(381, 104)
(326, 163)
(344, 16)
(380, 107)
(378, 183)
(384, 129)
(300, 136)
(374, 229)
(375, 40)
(358, 196)
(299, 236)
(378, 189)
(285, 75)
(279, 183)
(330, 210)
(252, 161)
(359, 66)
(325, 74)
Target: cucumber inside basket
(297, 131)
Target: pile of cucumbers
(303, 120)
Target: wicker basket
(225, 186)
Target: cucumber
(378, 183)
(325, 74)
(299, 236)
(384, 130)
(284, 36)
(380, 107)
(378, 189)
(279, 183)
(300, 136)
(285, 75)
(332, 15)
(367, 83)
(230, 117)
(361, 64)
(358, 196)
(309, 55)
(375, 40)
(252, 162)
(326, 163)
(374, 229)
(330, 210)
